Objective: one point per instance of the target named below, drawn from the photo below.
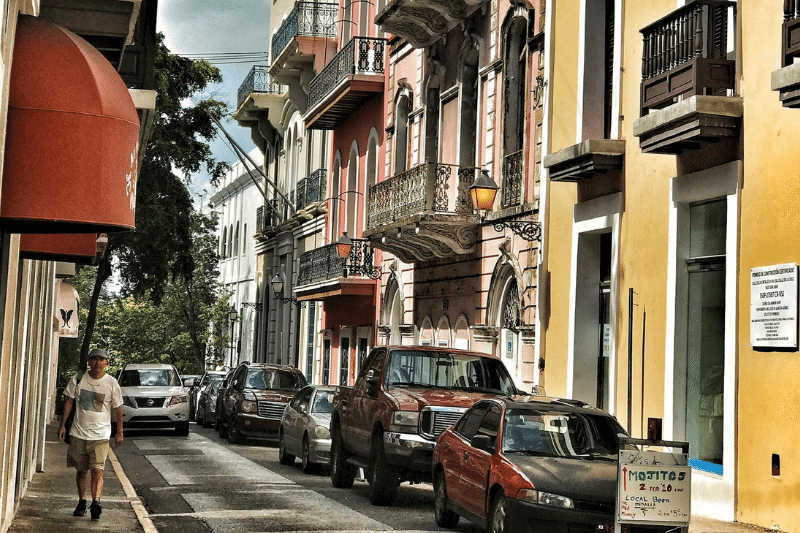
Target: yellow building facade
(671, 190)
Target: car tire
(183, 430)
(444, 516)
(343, 474)
(192, 410)
(199, 419)
(305, 460)
(223, 429)
(382, 477)
(498, 516)
(234, 435)
(206, 422)
(284, 458)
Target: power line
(228, 58)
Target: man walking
(94, 396)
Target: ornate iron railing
(311, 188)
(424, 188)
(258, 81)
(267, 216)
(324, 263)
(314, 19)
(791, 32)
(686, 53)
(362, 55)
(512, 180)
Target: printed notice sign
(653, 488)
(773, 306)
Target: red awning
(72, 137)
(81, 248)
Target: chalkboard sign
(653, 488)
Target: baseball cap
(97, 352)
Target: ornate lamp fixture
(277, 287)
(483, 192)
(360, 256)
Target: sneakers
(80, 510)
(95, 509)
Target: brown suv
(253, 402)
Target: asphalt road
(200, 483)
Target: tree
(160, 249)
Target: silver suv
(153, 396)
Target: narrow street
(204, 484)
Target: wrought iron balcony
(324, 264)
(424, 213)
(423, 22)
(688, 80)
(686, 54)
(311, 189)
(268, 217)
(787, 79)
(351, 78)
(512, 180)
(307, 19)
(258, 81)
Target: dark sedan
(528, 464)
(253, 402)
(207, 404)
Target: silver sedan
(305, 428)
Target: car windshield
(448, 371)
(156, 377)
(322, 403)
(261, 379)
(560, 434)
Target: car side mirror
(372, 382)
(303, 408)
(482, 442)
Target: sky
(214, 27)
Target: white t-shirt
(94, 400)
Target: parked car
(154, 397)
(252, 404)
(514, 464)
(198, 386)
(403, 398)
(223, 386)
(305, 428)
(207, 405)
(188, 380)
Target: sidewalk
(51, 498)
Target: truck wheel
(383, 479)
(283, 457)
(234, 434)
(343, 474)
(444, 516)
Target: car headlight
(545, 498)
(322, 432)
(130, 402)
(249, 406)
(405, 422)
(175, 400)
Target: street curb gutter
(133, 498)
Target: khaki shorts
(87, 454)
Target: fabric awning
(72, 137)
(81, 248)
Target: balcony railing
(791, 32)
(257, 81)
(362, 55)
(311, 188)
(324, 263)
(313, 19)
(424, 188)
(686, 54)
(512, 180)
(268, 216)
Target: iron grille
(434, 420)
(157, 402)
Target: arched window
(401, 112)
(443, 332)
(371, 169)
(230, 241)
(335, 208)
(351, 199)
(235, 251)
(223, 250)
(514, 81)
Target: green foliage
(160, 251)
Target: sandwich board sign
(653, 488)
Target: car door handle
(466, 455)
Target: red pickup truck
(403, 398)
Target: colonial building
(671, 238)
(236, 203)
(76, 105)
